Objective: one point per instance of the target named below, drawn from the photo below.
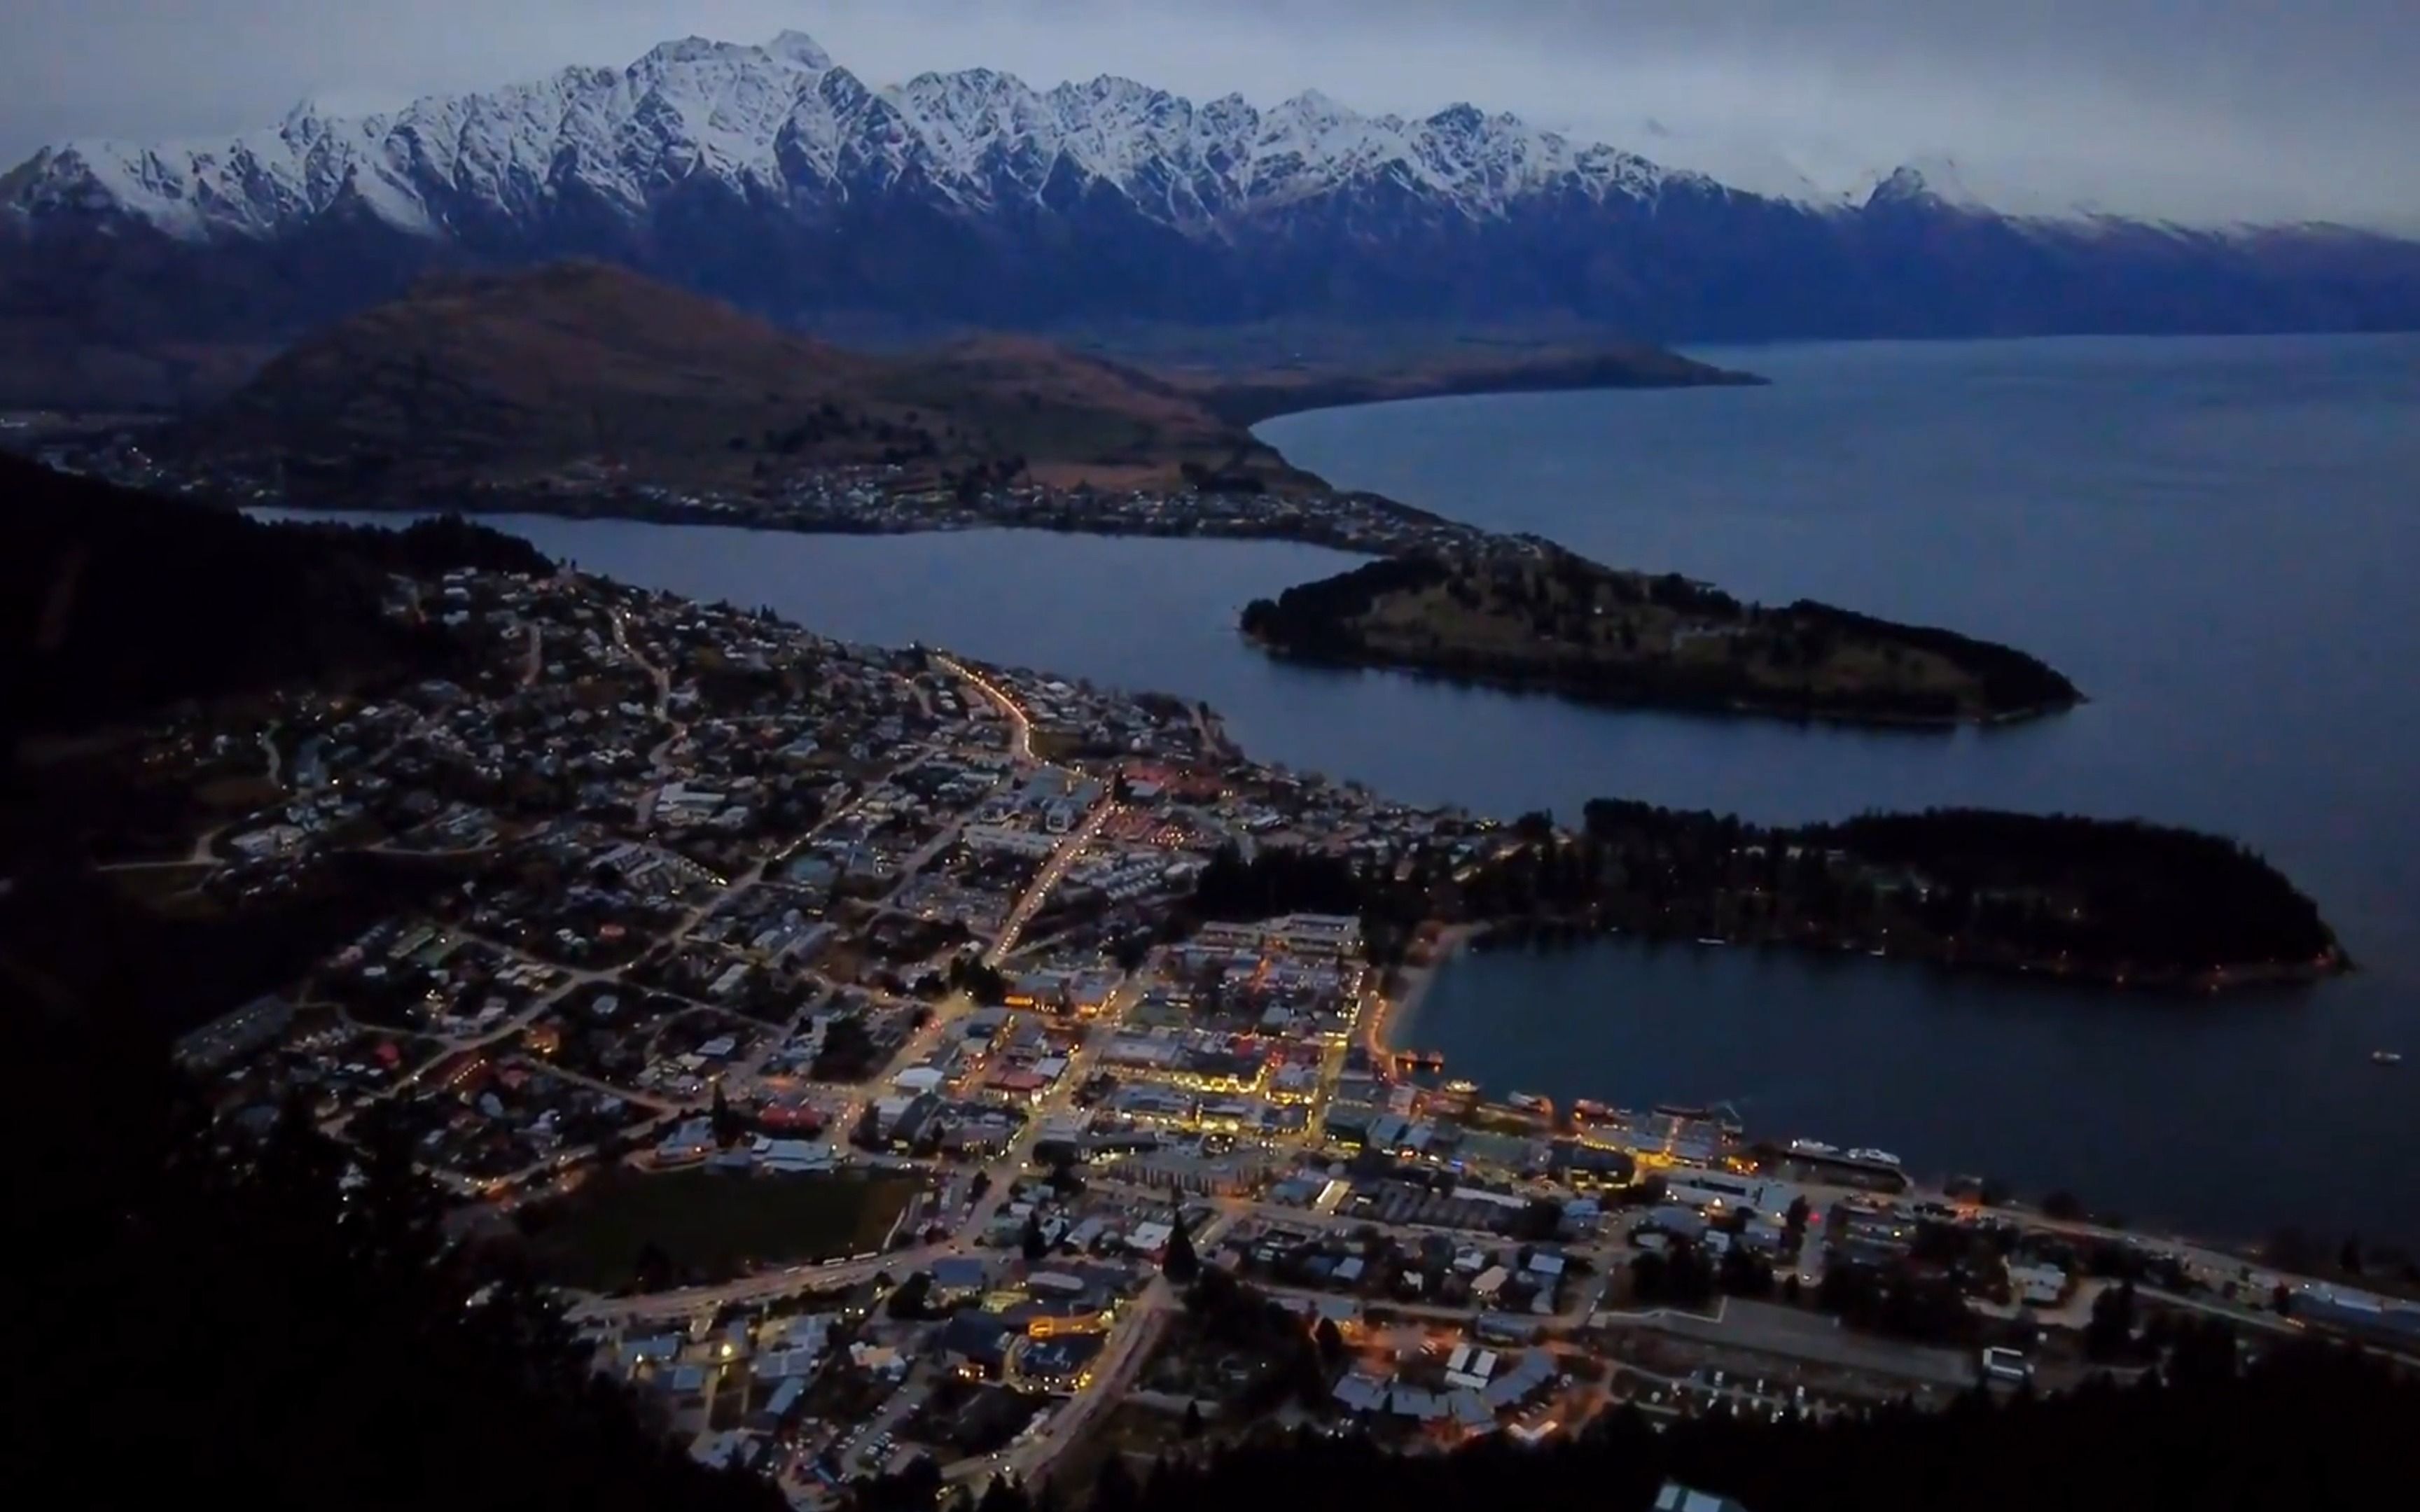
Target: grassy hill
(583, 370)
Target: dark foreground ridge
(2215, 1435)
(244, 1324)
(118, 602)
(1532, 616)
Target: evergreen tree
(352, 1356)
(1330, 1341)
(2111, 1331)
(726, 1121)
(1181, 1265)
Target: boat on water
(1721, 1115)
(1461, 1088)
(1812, 1146)
(2386, 1057)
(1593, 1111)
(1529, 1102)
(1874, 1157)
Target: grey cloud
(2202, 108)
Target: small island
(1525, 615)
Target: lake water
(2215, 539)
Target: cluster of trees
(977, 979)
(1557, 597)
(1685, 1276)
(1900, 1301)
(2010, 679)
(2099, 897)
(1297, 1362)
(1276, 882)
(2109, 895)
(2160, 896)
(2306, 1426)
(70, 930)
(283, 1323)
(1228, 478)
(828, 422)
(1313, 620)
(118, 602)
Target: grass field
(715, 1225)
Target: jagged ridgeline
(1534, 616)
(776, 177)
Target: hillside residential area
(848, 1031)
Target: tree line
(2057, 892)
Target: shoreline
(1381, 1034)
(1394, 1013)
(1524, 685)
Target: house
(793, 1157)
(957, 1278)
(688, 1143)
(975, 1346)
(778, 1407)
(1675, 1497)
(921, 1114)
(1358, 1393)
(1062, 1362)
(1505, 1328)
(2006, 1364)
(2037, 1286)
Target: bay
(2215, 538)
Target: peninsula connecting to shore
(582, 389)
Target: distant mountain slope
(777, 180)
(587, 367)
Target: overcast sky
(2199, 109)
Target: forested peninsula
(1527, 614)
(2119, 903)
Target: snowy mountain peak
(799, 50)
(781, 123)
(1904, 185)
(1933, 181)
(772, 178)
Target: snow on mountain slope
(784, 122)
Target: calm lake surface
(2216, 540)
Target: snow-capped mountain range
(774, 178)
(783, 123)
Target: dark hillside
(113, 602)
